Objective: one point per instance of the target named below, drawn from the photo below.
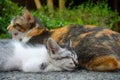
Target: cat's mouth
(15, 35)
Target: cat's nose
(75, 62)
(16, 34)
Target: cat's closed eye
(16, 24)
(71, 63)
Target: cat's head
(63, 56)
(20, 25)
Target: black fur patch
(43, 66)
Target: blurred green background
(89, 12)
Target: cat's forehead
(64, 46)
(18, 19)
(67, 47)
(68, 50)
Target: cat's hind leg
(103, 63)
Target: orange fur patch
(107, 32)
(81, 36)
(89, 26)
(103, 63)
(10, 28)
(57, 33)
(75, 43)
(105, 43)
(34, 32)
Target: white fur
(39, 58)
(25, 39)
(30, 57)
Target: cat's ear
(28, 16)
(52, 46)
(69, 43)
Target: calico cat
(98, 49)
(25, 23)
(27, 58)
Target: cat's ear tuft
(52, 46)
(28, 16)
(69, 43)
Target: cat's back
(99, 38)
(98, 42)
(73, 32)
(91, 37)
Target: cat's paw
(43, 66)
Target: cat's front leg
(33, 32)
(51, 67)
(31, 67)
(26, 39)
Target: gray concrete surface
(74, 75)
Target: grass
(98, 14)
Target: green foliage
(98, 14)
(53, 20)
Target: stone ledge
(75, 75)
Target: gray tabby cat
(27, 58)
